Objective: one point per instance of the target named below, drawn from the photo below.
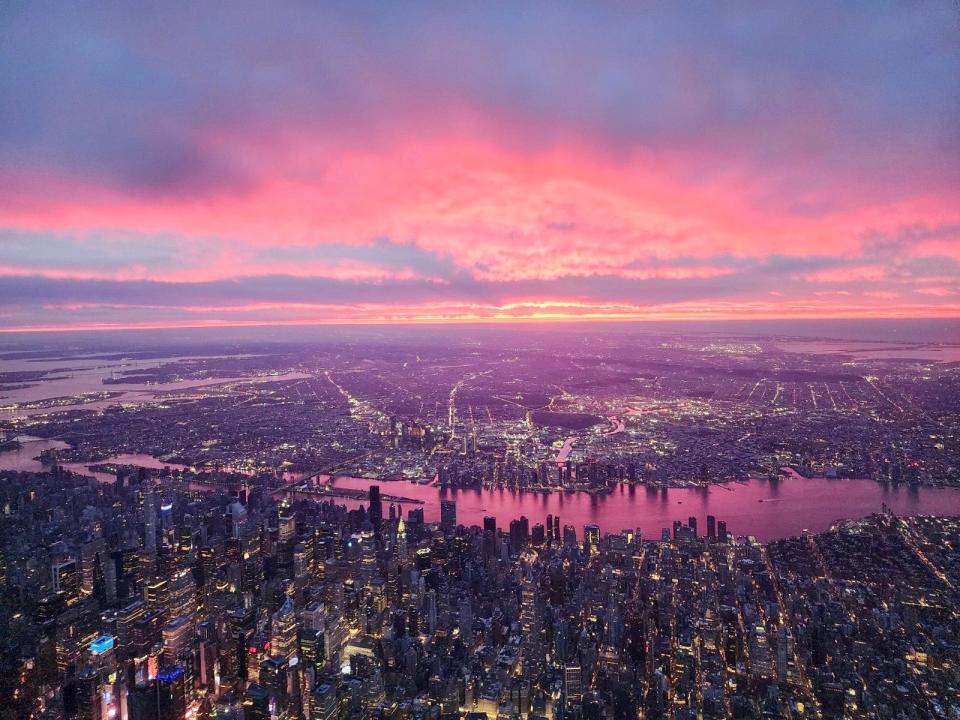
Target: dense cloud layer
(181, 164)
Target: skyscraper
(591, 536)
(283, 635)
(171, 694)
(149, 519)
(448, 514)
(376, 507)
(572, 682)
(177, 636)
(66, 579)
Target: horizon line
(544, 320)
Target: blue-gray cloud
(134, 96)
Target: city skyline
(542, 360)
(170, 166)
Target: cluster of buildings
(505, 413)
(148, 600)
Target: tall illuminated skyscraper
(530, 627)
(177, 638)
(591, 537)
(283, 631)
(149, 519)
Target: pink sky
(456, 163)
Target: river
(128, 393)
(25, 459)
(763, 508)
(925, 352)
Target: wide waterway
(763, 508)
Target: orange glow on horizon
(728, 313)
